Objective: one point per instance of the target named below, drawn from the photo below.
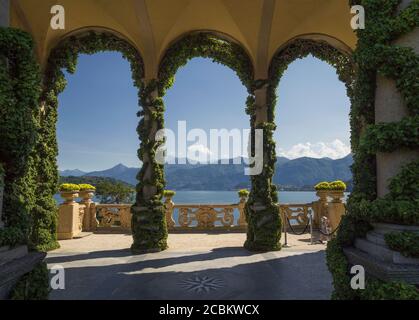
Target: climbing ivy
(149, 212)
(33, 285)
(19, 126)
(296, 49)
(64, 56)
(377, 55)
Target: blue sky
(97, 112)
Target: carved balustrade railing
(297, 214)
(184, 217)
(112, 216)
(205, 216)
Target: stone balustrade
(90, 216)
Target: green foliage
(322, 186)
(2, 174)
(69, 187)
(169, 193)
(377, 55)
(337, 262)
(206, 45)
(64, 56)
(296, 49)
(33, 285)
(86, 187)
(388, 137)
(148, 221)
(243, 193)
(405, 185)
(407, 243)
(337, 185)
(19, 123)
(380, 290)
(114, 192)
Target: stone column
(390, 107)
(149, 228)
(4, 13)
(263, 218)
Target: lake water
(226, 197)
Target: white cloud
(334, 150)
(199, 152)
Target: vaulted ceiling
(260, 26)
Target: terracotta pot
(69, 196)
(87, 195)
(322, 194)
(337, 196)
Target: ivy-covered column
(264, 223)
(148, 214)
(384, 121)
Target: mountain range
(300, 173)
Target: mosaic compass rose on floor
(202, 284)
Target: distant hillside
(91, 180)
(72, 173)
(301, 173)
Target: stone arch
(323, 47)
(219, 46)
(64, 56)
(149, 221)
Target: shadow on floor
(224, 273)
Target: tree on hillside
(116, 192)
(108, 190)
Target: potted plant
(337, 189)
(69, 192)
(243, 194)
(169, 194)
(87, 192)
(322, 190)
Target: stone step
(383, 228)
(382, 269)
(376, 238)
(8, 254)
(378, 251)
(13, 270)
(382, 252)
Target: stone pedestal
(335, 209)
(87, 201)
(242, 216)
(68, 218)
(320, 207)
(169, 204)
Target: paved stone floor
(197, 266)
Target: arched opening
(207, 100)
(64, 57)
(313, 132)
(151, 232)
